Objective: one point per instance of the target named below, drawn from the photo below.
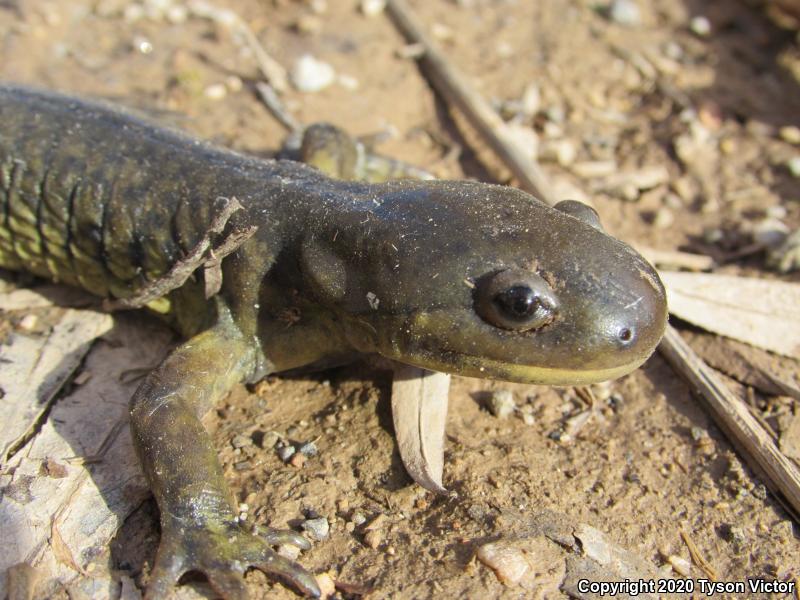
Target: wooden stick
(733, 416)
(675, 258)
(459, 93)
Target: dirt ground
(702, 118)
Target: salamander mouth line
(481, 367)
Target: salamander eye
(515, 299)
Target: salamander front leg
(200, 530)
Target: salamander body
(467, 278)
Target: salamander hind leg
(200, 530)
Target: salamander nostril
(625, 335)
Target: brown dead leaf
(760, 312)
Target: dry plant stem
(274, 104)
(697, 558)
(677, 259)
(459, 93)
(733, 416)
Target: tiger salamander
(467, 278)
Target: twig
(270, 68)
(202, 255)
(681, 260)
(697, 558)
(458, 92)
(733, 416)
(273, 103)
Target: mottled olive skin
(95, 197)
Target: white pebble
(561, 151)
(28, 322)
(501, 404)
(177, 14)
(348, 82)
(312, 75)
(680, 565)
(317, 529)
(508, 563)
(133, 12)
(531, 100)
(504, 50)
(625, 12)
(777, 211)
(794, 166)
(663, 218)
(142, 45)
(700, 26)
(216, 91)
(790, 134)
(372, 8)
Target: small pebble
(177, 14)
(372, 8)
(594, 168)
(343, 505)
(531, 100)
(790, 134)
(244, 465)
(501, 404)
(289, 551)
(625, 12)
(28, 322)
(312, 75)
(442, 32)
(308, 24)
(777, 211)
(528, 419)
(504, 49)
(770, 232)
(298, 460)
(680, 565)
(794, 166)
(317, 529)
(373, 539)
(241, 440)
(133, 13)
(663, 218)
(376, 523)
(507, 562)
(358, 519)
(555, 114)
(561, 151)
(319, 7)
(286, 452)
(142, 45)
(327, 587)
(348, 82)
(309, 449)
(733, 534)
(700, 26)
(673, 50)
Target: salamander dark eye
(515, 299)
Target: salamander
(266, 266)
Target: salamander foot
(223, 552)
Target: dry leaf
(759, 312)
(419, 410)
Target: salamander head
(485, 281)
